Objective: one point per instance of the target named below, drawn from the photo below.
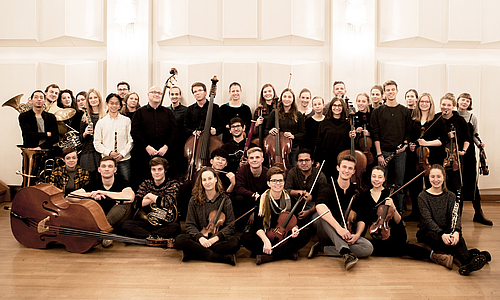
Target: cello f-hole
(44, 203)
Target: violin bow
(238, 218)
(121, 201)
(338, 202)
(315, 179)
(289, 236)
(402, 187)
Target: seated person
(300, 179)
(219, 246)
(161, 192)
(251, 182)
(440, 224)
(272, 203)
(331, 228)
(109, 190)
(71, 176)
(218, 161)
(235, 147)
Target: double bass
(196, 152)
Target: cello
(196, 152)
(41, 216)
(278, 146)
(365, 143)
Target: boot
(480, 218)
(263, 258)
(443, 259)
(476, 263)
(229, 259)
(474, 252)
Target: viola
(215, 220)
(365, 143)
(286, 221)
(451, 160)
(380, 229)
(41, 216)
(423, 155)
(198, 153)
(361, 159)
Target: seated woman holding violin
(209, 222)
(375, 209)
(274, 221)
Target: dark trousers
(195, 250)
(435, 241)
(253, 243)
(241, 205)
(396, 245)
(143, 229)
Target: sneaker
(315, 250)
(477, 263)
(350, 260)
(443, 259)
(473, 252)
(106, 243)
(263, 258)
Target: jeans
(395, 173)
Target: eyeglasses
(236, 126)
(304, 160)
(155, 93)
(277, 181)
(122, 89)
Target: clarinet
(116, 142)
(454, 213)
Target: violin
(198, 154)
(380, 229)
(483, 163)
(451, 160)
(286, 221)
(361, 159)
(41, 216)
(365, 144)
(215, 220)
(423, 155)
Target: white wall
(433, 46)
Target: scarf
(265, 206)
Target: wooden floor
(140, 272)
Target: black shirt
(328, 197)
(154, 127)
(180, 113)
(29, 129)
(118, 185)
(391, 126)
(195, 118)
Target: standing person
(272, 203)
(339, 91)
(396, 244)
(80, 100)
(130, 105)
(304, 101)
(333, 136)
(391, 126)
(362, 125)
(160, 192)
(153, 130)
(457, 129)
(312, 123)
(291, 122)
(51, 95)
(122, 89)
(464, 106)
(67, 100)
(89, 157)
(38, 127)
(179, 111)
(234, 108)
(334, 237)
(112, 136)
(440, 225)
(267, 102)
(425, 121)
(208, 196)
(411, 97)
(196, 113)
(251, 182)
(299, 181)
(71, 176)
(376, 96)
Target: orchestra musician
(67, 100)
(440, 225)
(312, 123)
(464, 106)
(291, 122)
(160, 191)
(339, 91)
(234, 108)
(71, 176)
(236, 145)
(112, 136)
(131, 105)
(80, 102)
(267, 102)
(196, 113)
(411, 97)
(376, 96)
(396, 245)
(179, 110)
(218, 161)
(334, 237)
(391, 126)
(208, 196)
(304, 100)
(51, 95)
(333, 136)
(272, 203)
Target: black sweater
(391, 126)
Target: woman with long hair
(304, 101)
(376, 96)
(291, 122)
(440, 224)
(132, 104)
(67, 100)
(267, 102)
(208, 196)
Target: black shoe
(474, 252)
(263, 258)
(477, 263)
(294, 256)
(480, 218)
(229, 259)
(315, 250)
(350, 260)
(185, 257)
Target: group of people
(127, 150)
